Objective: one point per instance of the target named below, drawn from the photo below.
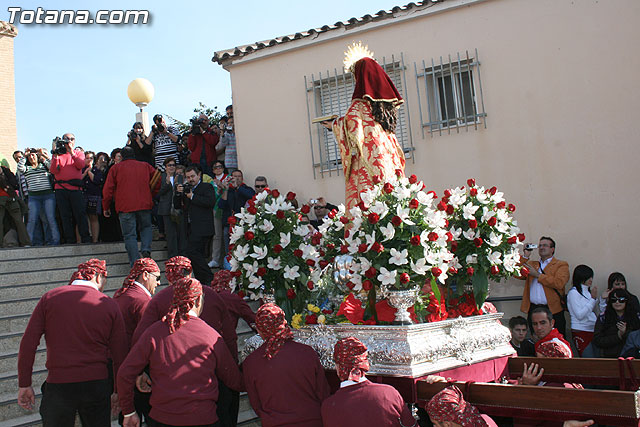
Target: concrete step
(70, 250)
(54, 274)
(9, 360)
(9, 380)
(33, 419)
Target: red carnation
(495, 270)
(371, 272)
(252, 210)
(388, 188)
(367, 285)
(310, 285)
(232, 220)
(323, 263)
(315, 240)
(377, 247)
(261, 271)
(450, 209)
(305, 209)
(521, 237)
(470, 271)
(473, 223)
(377, 179)
(478, 242)
(454, 246)
(310, 262)
(436, 271)
(311, 319)
(350, 284)
(322, 253)
(291, 195)
(471, 182)
(512, 240)
(492, 221)
(277, 248)
(511, 207)
(373, 218)
(473, 192)
(249, 235)
(415, 240)
(413, 179)
(501, 205)
(298, 253)
(280, 214)
(433, 236)
(332, 214)
(447, 193)
(413, 204)
(396, 220)
(493, 190)
(275, 193)
(344, 249)
(362, 248)
(404, 278)
(344, 219)
(442, 206)
(291, 294)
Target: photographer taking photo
(164, 141)
(66, 167)
(141, 144)
(202, 142)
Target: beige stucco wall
(560, 89)
(8, 133)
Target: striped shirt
(230, 154)
(165, 147)
(38, 181)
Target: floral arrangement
(271, 253)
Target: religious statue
(368, 145)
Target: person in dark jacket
(165, 203)
(620, 318)
(234, 195)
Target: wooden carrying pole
(619, 408)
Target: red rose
(280, 214)
(327, 311)
(315, 240)
(232, 220)
(322, 253)
(241, 294)
(473, 192)
(388, 188)
(415, 240)
(433, 236)
(347, 233)
(332, 214)
(305, 209)
(399, 172)
(377, 247)
(500, 205)
(445, 199)
(350, 284)
(396, 221)
(495, 270)
(524, 271)
(261, 271)
(362, 206)
(362, 248)
(447, 193)
(404, 278)
(471, 182)
(323, 263)
(291, 195)
(512, 240)
(311, 319)
(377, 179)
(436, 271)
(473, 223)
(493, 190)
(511, 207)
(413, 179)
(470, 271)
(373, 218)
(310, 285)
(275, 193)
(450, 209)
(249, 235)
(454, 246)
(252, 210)
(291, 294)
(449, 236)
(371, 273)
(277, 248)
(297, 253)
(492, 221)
(521, 237)
(344, 219)
(478, 242)
(367, 285)
(310, 262)
(413, 204)
(344, 249)
(442, 206)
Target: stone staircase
(27, 273)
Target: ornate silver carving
(411, 350)
(341, 274)
(401, 300)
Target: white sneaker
(213, 264)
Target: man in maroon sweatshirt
(186, 357)
(81, 326)
(377, 404)
(132, 298)
(285, 380)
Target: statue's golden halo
(354, 53)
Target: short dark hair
(157, 117)
(229, 106)
(17, 151)
(553, 242)
(544, 310)
(167, 160)
(194, 168)
(127, 153)
(238, 170)
(615, 277)
(261, 178)
(517, 321)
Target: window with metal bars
(452, 93)
(330, 93)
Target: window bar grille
(453, 93)
(406, 102)
(435, 97)
(322, 128)
(336, 154)
(484, 115)
(446, 104)
(475, 109)
(319, 132)
(464, 110)
(313, 160)
(415, 69)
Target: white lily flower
(367, 197)
(356, 279)
(365, 264)
(234, 264)
(455, 232)
(249, 219)
(502, 227)
(261, 197)
(285, 239)
(267, 225)
(498, 197)
(486, 214)
(387, 277)
(458, 197)
(291, 273)
(503, 215)
(250, 269)
(482, 197)
(510, 261)
(241, 252)
(255, 282)
(370, 239)
(301, 230)
(436, 218)
(388, 231)
(398, 257)
(494, 239)
(274, 263)
(469, 234)
(420, 266)
(272, 208)
(469, 210)
(424, 198)
(494, 258)
(357, 222)
(402, 192)
(236, 234)
(233, 284)
(455, 263)
(472, 259)
(380, 208)
(404, 215)
(260, 252)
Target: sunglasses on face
(261, 186)
(618, 299)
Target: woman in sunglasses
(620, 318)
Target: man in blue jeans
(128, 183)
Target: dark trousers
(71, 204)
(91, 399)
(153, 423)
(196, 250)
(560, 323)
(228, 406)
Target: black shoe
(145, 254)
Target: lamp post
(140, 92)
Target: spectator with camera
(141, 144)
(165, 204)
(9, 204)
(202, 142)
(165, 141)
(35, 168)
(321, 209)
(217, 244)
(197, 199)
(93, 177)
(581, 301)
(228, 144)
(23, 191)
(66, 166)
(235, 194)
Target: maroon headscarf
(373, 83)
(449, 405)
(349, 354)
(139, 266)
(176, 268)
(186, 292)
(87, 270)
(221, 281)
(273, 328)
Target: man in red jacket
(128, 182)
(202, 143)
(186, 357)
(81, 326)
